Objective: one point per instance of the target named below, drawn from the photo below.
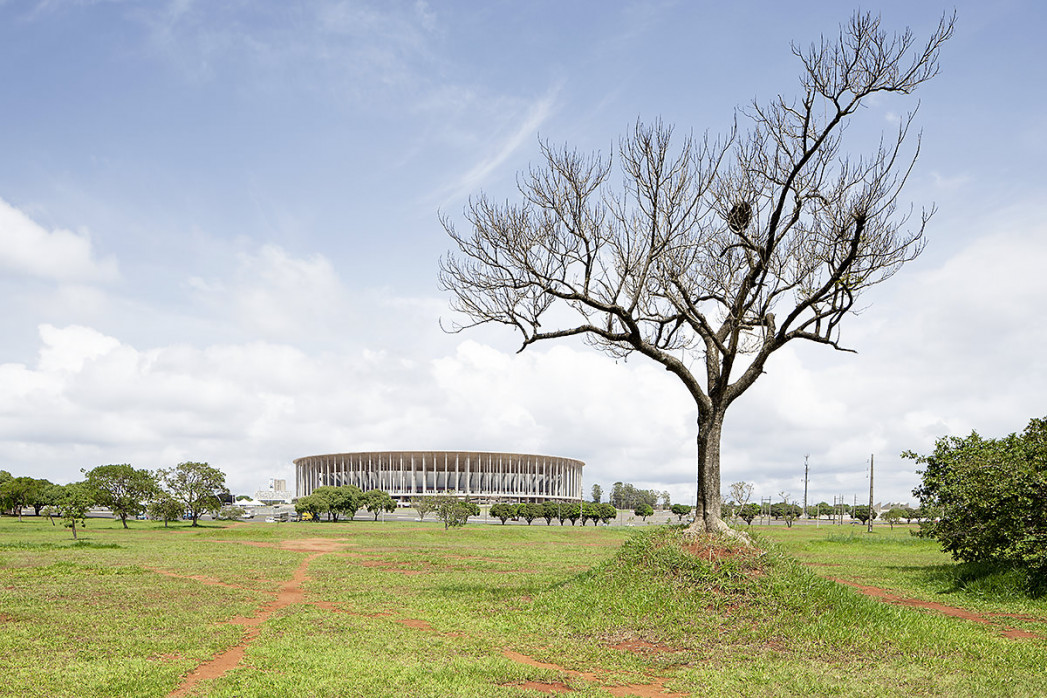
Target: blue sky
(219, 235)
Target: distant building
(483, 476)
(276, 494)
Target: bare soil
(291, 592)
(955, 612)
(655, 689)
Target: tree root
(719, 528)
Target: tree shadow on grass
(986, 580)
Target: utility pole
(806, 470)
(871, 456)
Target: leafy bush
(231, 513)
(503, 511)
(681, 510)
(990, 496)
(862, 512)
(454, 512)
(749, 512)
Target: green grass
(916, 567)
(98, 618)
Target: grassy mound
(721, 618)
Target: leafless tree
(741, 492)
(714, 253)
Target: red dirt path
(953, 611)
(655, 689)
(291, 593)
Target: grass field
(409, 609)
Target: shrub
(990, 499)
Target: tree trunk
(707, 511)
(123, 520)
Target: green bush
(990, 499)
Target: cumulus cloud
(944, 349)
(251, 408)
(28, 249)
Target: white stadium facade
(486, 477)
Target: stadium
(484, 477)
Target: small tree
(530, 511)
(893, 516)
(377, 501)
(424, 506)
(196, 486)
(863, 513)
(502, 511)
(643, 511)
(45, 494)
(311, 504)
(328, 497)
(76, 502)
(749, 512)
(681, 510)
(231, 512)
(347, 500)
(570, 512)
(740, 494)
(50, 512)
(597, 493)
(122, 488)
(19, 492)
(454, 512)
(165, 508)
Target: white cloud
(273, 295)
(495, 155)
(943, 350)
(59, 255)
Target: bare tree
(741, 492)
(715, 253)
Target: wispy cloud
(497, 153)
(338, 47)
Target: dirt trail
(655, 689)
(291, 593)
(953, 611)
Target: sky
(220, 234)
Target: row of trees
(561, 511)
(738, 506)
(345, 501)
(624, 495)
(189, 489)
